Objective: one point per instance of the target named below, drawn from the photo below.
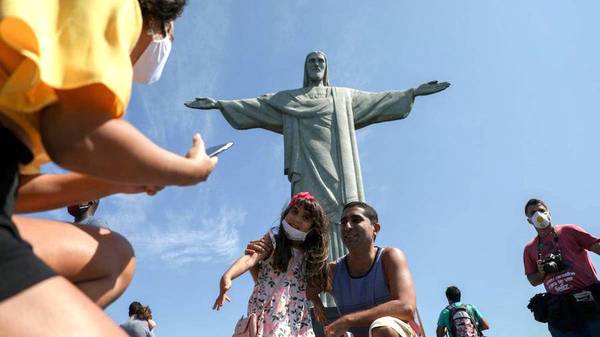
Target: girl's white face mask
(148, 68)
(292, 233)
(540, 220)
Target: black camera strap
(555, 245)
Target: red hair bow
(301, 195)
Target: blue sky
(449, 182)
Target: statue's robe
(318, 126)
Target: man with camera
(558, 258)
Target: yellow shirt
(54, 45)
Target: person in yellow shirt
(66, 68)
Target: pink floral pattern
(279, 300)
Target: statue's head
(315, 69)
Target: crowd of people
(372, 286)
(57, 104)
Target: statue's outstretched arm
(430, 88)
(245, 113)
(204, 103)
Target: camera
(553, 263)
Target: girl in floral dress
(298, 261)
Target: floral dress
(279, 299)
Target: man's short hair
(533, 202)
(369, 211)
(453, 294)
(135, 307)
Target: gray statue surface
(318, 124)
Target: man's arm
(537, 278)
(402, 303)
(263, 247)
(442, 323)
(595, 248)
(483, 324)
(533, 267)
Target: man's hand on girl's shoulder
(261, 247)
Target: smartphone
(215, 150)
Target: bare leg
(98, 261)
(54, 308)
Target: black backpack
(461, 323)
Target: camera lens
(550, 267)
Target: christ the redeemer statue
(318, 124)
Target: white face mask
(540, 220)
(148, 68)
(292, 233)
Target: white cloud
(124, 212)
(175, 237)
(183, 242)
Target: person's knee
(384, 331)
(119, 255)
(126, 256)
